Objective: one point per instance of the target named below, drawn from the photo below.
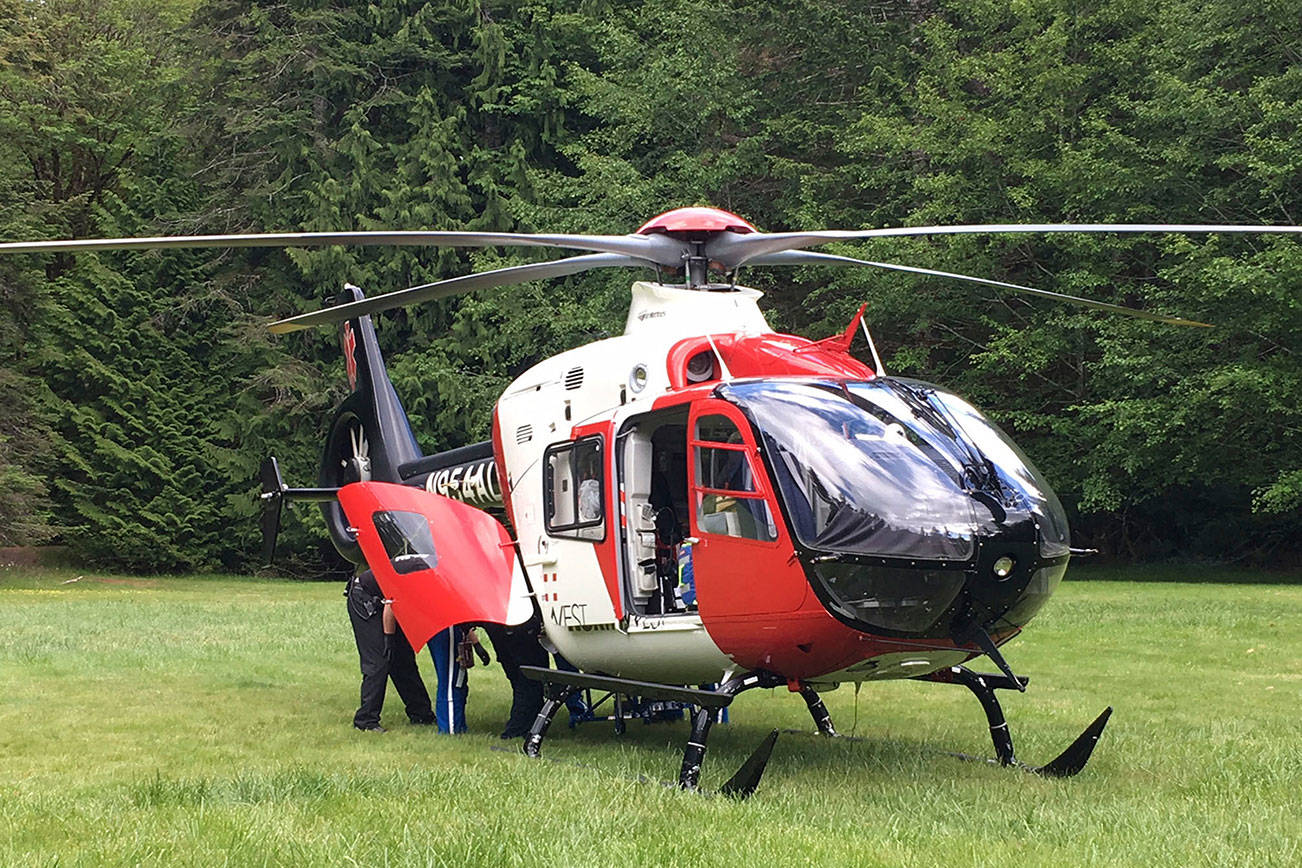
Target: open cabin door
(742, 560)
(441, 561)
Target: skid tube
(983, 684)
(559, 684)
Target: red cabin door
(743, 562)
(442, 562)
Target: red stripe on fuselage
(607, 550)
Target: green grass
(202, 721)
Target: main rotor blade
(809, 257)
(660, 249)
(733, 249)
(443, 288)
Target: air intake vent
(524, 434)
(573, 378)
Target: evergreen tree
(138, 392)
(105, 362)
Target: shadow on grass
(294, 785)
(657, 751)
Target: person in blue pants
(450, 698)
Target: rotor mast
(696, 265)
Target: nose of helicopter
(1017, 569)
(914, 514)
(1011, 575)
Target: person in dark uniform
(385, 654)
(516, 647)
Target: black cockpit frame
(1000, 543)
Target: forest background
(139, 392)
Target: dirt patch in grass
(131, 583)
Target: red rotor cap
(696, 220)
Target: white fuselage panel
(609, 380)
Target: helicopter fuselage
(702, 496)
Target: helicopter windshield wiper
(919, 403)
(980, 478)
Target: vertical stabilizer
(370, 436)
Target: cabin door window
(574, 485)
(728, 500)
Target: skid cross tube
(984, 687)
(689, 775)
(556, 696)
(817, 710)
(744, 782)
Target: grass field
(206, 721)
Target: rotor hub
(694, 227)
(694, 221)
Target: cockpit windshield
(891, 467)
(858, 478)
(1014, 479)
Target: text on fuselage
(475, 483)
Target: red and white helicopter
(701, 499)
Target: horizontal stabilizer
(274, 494)
(273, 501)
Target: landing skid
(560, 684)
(1068, 763)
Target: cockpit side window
(728, 500)
(723, 469)
(718, 429)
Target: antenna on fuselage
(723, 366)
(877, 360)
